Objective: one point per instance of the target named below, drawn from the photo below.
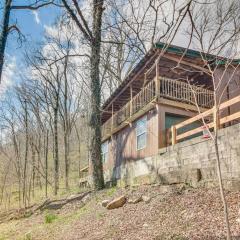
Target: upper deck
(154, 91)
(171, 76)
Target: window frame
(141, 133)
(105, 152)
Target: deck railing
(177, 90)
(217, 122)
(106, 127)
(145, 96)
(170, 89)
(140, 100)
(121, 115)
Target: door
(172, 119)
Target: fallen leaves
(195, 214)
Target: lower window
(104, 149)
(141, 133)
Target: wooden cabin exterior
(168, 86)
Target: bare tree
(214, 31)
(6, 29)
(93, 37)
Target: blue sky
(32, 25)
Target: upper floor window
(104, 149)
(141, 133)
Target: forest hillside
(174, 212)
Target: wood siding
(226, 77)
(123, 145)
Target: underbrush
(50, 217)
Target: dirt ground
(179, 214)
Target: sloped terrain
(174, 212)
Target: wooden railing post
(131, 102)
(174, 135)
(157, 80)
(112, 119)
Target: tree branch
(34, 6)
(76, 20)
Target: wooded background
(46, 137)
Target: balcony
(168, 89)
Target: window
(104, 151)
(141, 133)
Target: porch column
(131, 103)
(157, 79)
(174, 135)
(112, 119)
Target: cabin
(168, 86)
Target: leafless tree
(214, 31)
(93, 37)
(8, 28)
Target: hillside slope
(178, 214)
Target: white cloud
(36, 17)
(9, 71)
(51, 31)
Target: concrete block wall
(189, 161)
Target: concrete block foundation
(192, 162)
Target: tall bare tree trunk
(39, 183)
(66, 157)
(4, 32)
(17, 166)
(46, 165)
(79, 150)
(95, 121)
(33, 169)
(56, 157)
(26, 155)
(66, 125)
(94, 39)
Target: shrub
(28, 236)
(49, 218)
(111, 191)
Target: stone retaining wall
(192, 161)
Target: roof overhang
(181, 57)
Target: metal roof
(189, 53)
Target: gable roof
(195, 54)
(191, 55)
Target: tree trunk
(225, 207)
(26, 156)
(56, 157)
(39, 183)
(4, 182)
(216, 118)
(4, 32)
(95, 121)
(66, 125)
(17, 165)
(79, 151)
(33, 169)
(66, 157)
(46, 165)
